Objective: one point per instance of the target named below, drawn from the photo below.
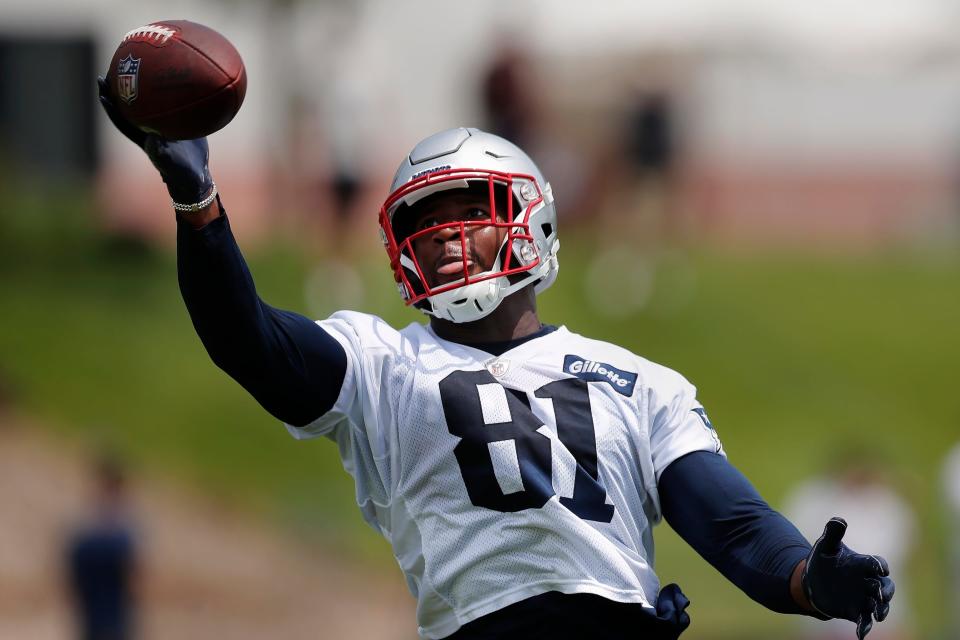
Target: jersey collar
(499, 348)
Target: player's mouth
(451, 266)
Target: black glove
(183, 164)
(672, 617)
(841, 583)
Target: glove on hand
(671, 611)
(841, 583)
(182, 163)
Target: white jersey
(497, 478)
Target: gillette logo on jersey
(593, 371)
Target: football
(178, 79)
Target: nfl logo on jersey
(498, 367)
(128, 70)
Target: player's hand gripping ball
(177, 79)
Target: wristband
(197, 206)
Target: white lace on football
(151, 32)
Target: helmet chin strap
(468, 303)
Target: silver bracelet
(199, 206)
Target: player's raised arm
(289, 364)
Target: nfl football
(178, 79)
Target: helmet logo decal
(420, 174)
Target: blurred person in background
(101, 560)
(506, 96)
(650, 157)
(880, 519)
(516, 468)
(951, 492)
(513, 107)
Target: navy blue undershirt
(295, 370)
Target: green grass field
(794, 354)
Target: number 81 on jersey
(480, 411)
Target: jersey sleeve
(360, 419)
(347, 405)
(678, 422)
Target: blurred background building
(791, 123)
(762, 195)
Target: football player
(517, 468)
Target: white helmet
(455, 159)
